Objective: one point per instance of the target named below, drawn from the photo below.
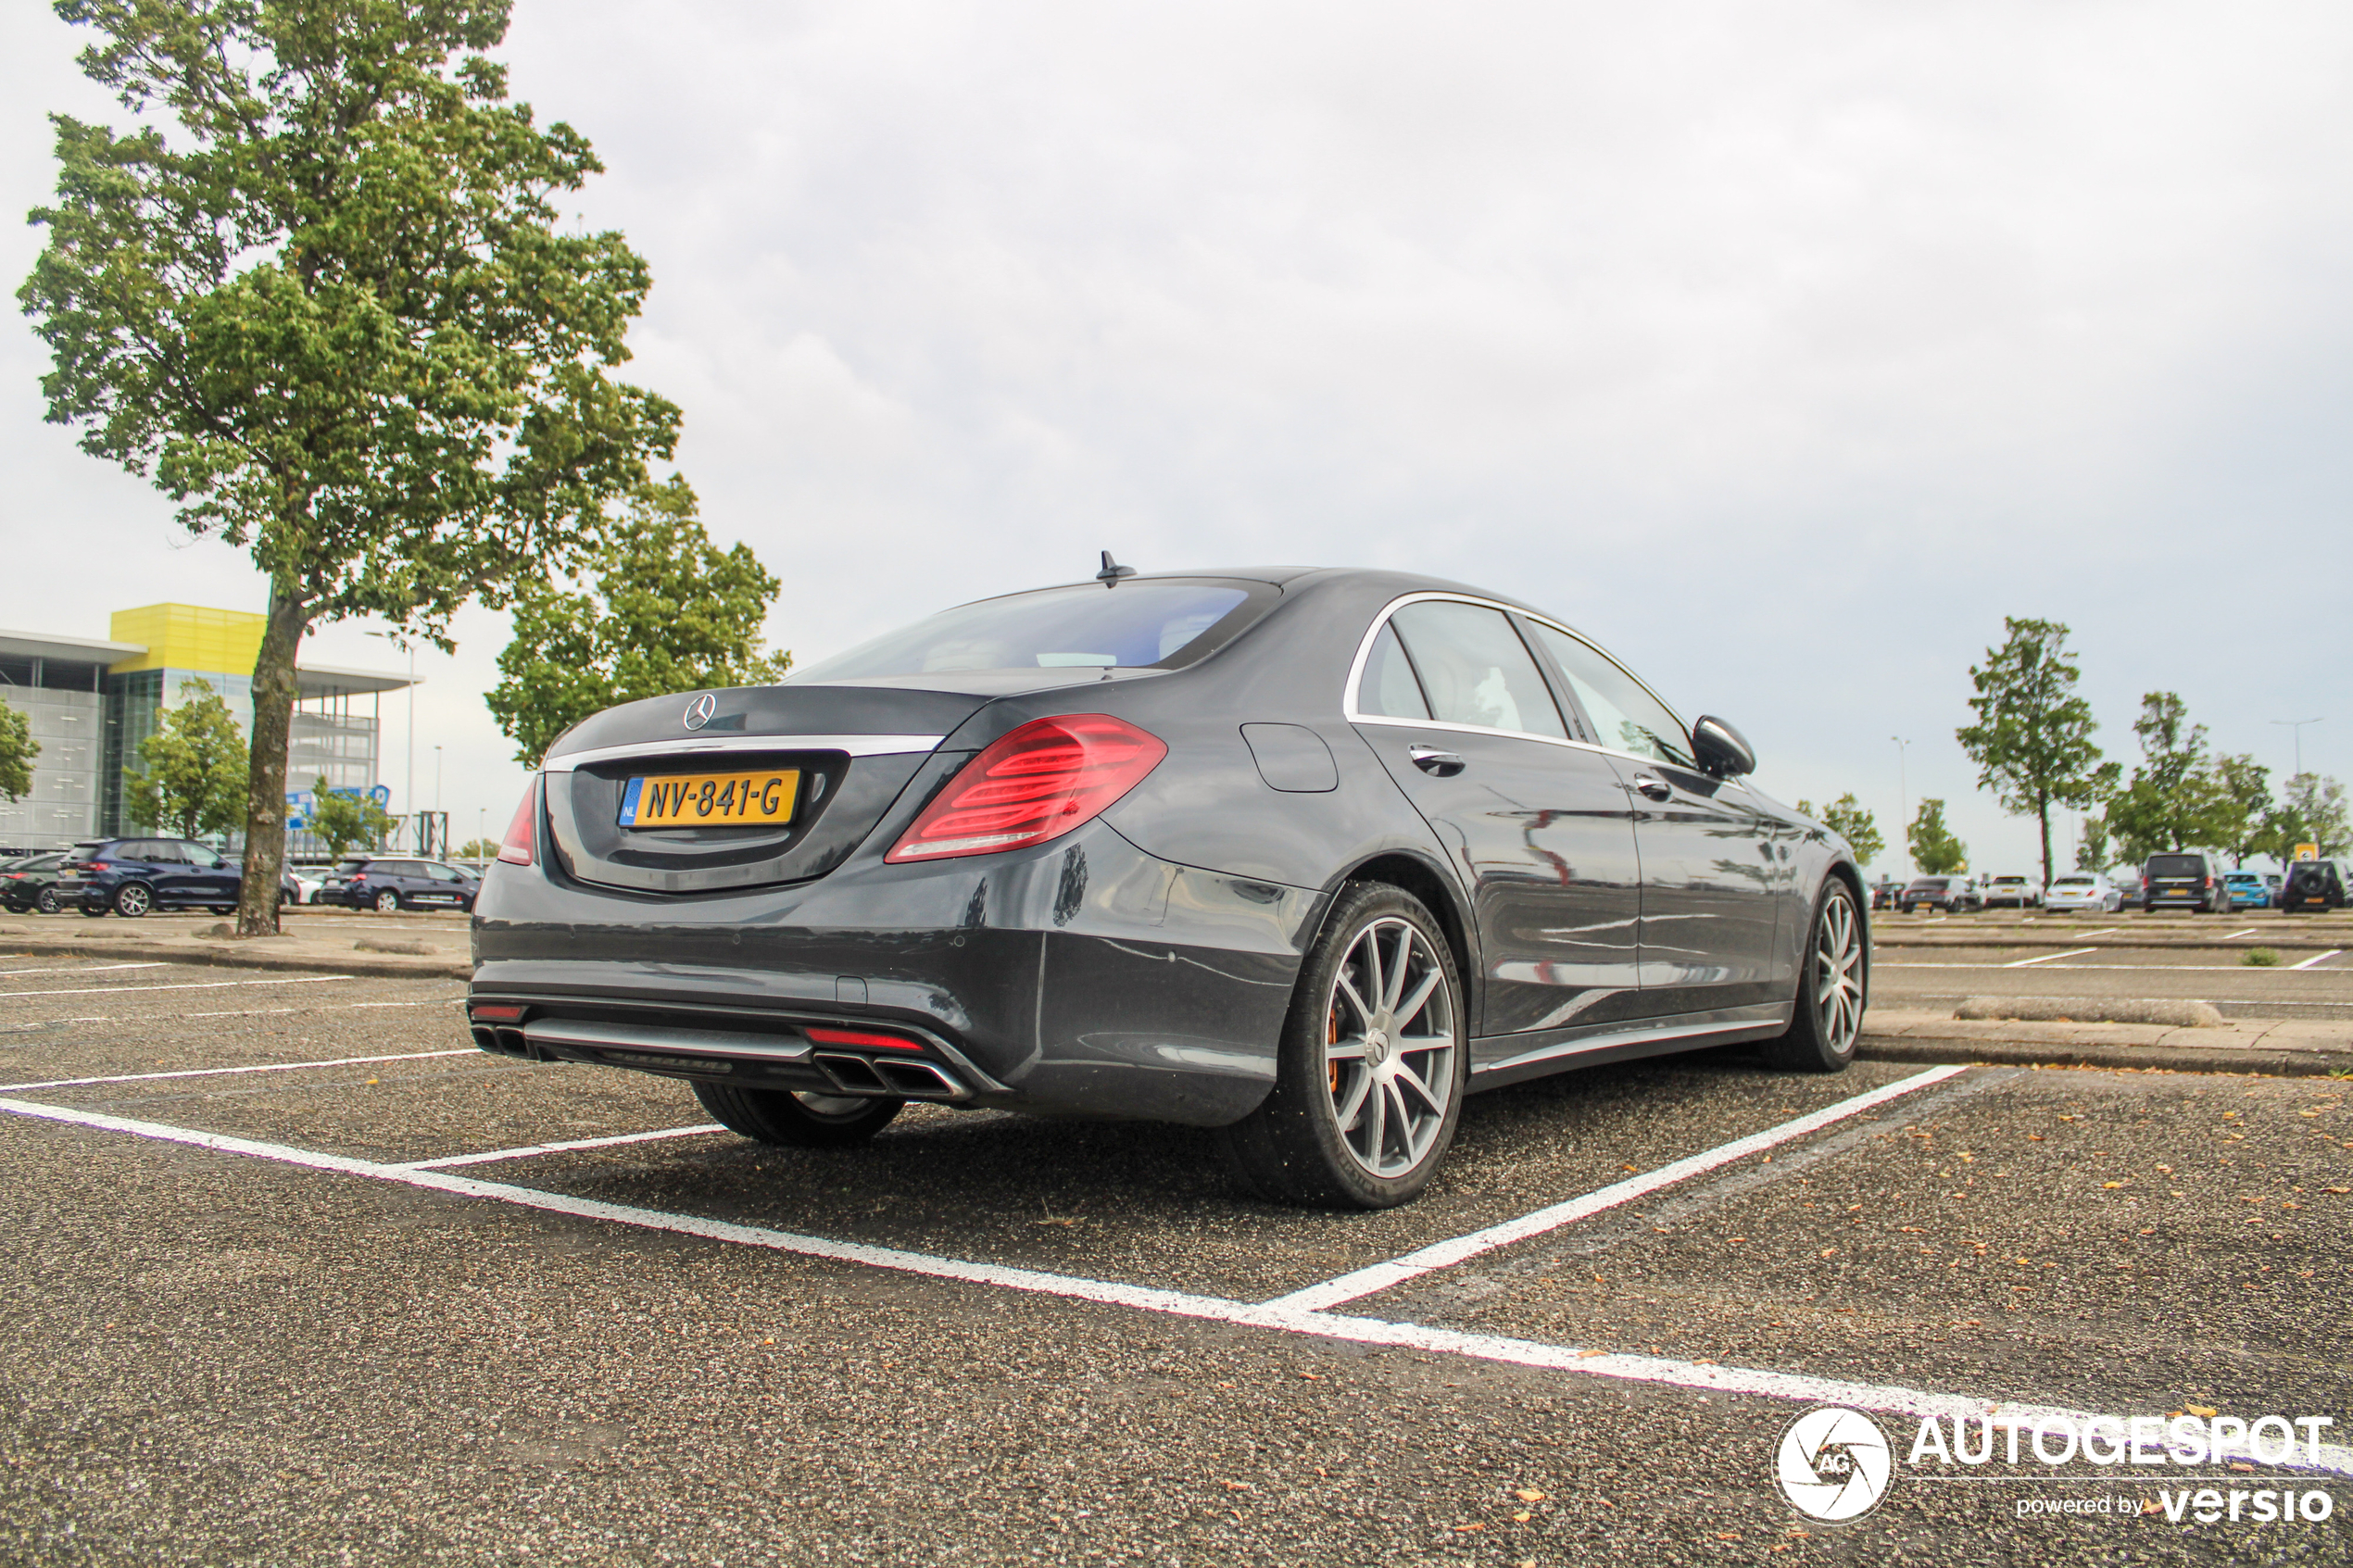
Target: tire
(1373, 1065)
(1827, 1022)
(223, 909)
(47, 903)
(387, 902)
(134, 899)
(92, 910)
(796, 1121)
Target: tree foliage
(1934, 849)
(2177, 799)
(319, 292)
(477, 849)
(2311, 810)
(195, 780)
(1846, 817)
(345, 818)
(18, 749)
(670, 611)
(2092, 849)
(2244, 812)
(2033, 739)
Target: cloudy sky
(1784, 348)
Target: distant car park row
(2193, 880)
(132, 876)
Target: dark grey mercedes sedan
(1305, 855)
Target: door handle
(1657, 789)
(1429, 759)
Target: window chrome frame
(721, 746)
(1350, 712)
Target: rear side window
(1388, 688)
(1475, 669)
(1626, 716)
(1136, 625)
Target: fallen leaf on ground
(1528, 1494)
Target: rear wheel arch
(1438, 895)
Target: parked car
(2316, 884)
(2013, 893)
(30, 883)
(386, 883)
(2246, 890)
(305, 884)
(2190, 879)
(130, 876)
(1303, 855)
(2083, 890)
(1950, 894)
(1885, 892)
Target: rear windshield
(2176, 865)
(350, 864)
(1156, 623)
(2072, 882)
(2311, 871)
(1928, 883)
(2009, 879)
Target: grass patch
(2259, 958)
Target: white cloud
(1785, 347)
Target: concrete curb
(308, 957)
(2277, 1047)
(2020, 1053)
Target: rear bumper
(1082, 978)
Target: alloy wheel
(1838, 982)
(132, 899)
(1388, 1051)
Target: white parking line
(2322, 959)
(1764, 1383)
(1445, 1254)
(526, 1151)
(2236, 935)
(2046, 958)
(2122, 968)
(182, 985)
(79, 969)
(222, 1072)
(2109, 931)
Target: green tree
(343, 818)
(670, 611)
(1934, 849)
(195, 780)
(18, 749)
(2176, 799)
(2033, 739)
(477, 849)
(2092, 849)
(319, 291)
(2311, 810)
(2243, 809)
(1846, 817)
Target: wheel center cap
(1377, 1047)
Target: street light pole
(1903, 791)
(2296, 725)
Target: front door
(1540, 830)
(1716, 867)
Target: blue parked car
(2249, 890)
(131, 876)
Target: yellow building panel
(189, 637)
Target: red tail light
(1035, 784)
(860, 1037)
(522, 834)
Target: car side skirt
(1497, 1060)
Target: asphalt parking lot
(306, 1278)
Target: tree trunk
(273, 698)
(2043, 811)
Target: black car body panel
(2314, 884)
(1143, 964)
(2184, 879)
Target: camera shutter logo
(1833, 1465)
(699, 711)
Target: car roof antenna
(1113, 571)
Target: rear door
(1539, 830)
(1716, 866)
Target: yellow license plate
(672, 800)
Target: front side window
(1475, 669)
(1136, 625)
(1626, 716)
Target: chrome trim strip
(654, 1038)
(1776, 1016)
(856, 745)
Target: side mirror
(1723, 750)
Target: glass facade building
(91, 703)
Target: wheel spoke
(1369, 945)
(1351, 1110)
(1402, 1119)
(1394, 993)
(1407, 1078)
(1364, 1014)
(1410, 1008)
